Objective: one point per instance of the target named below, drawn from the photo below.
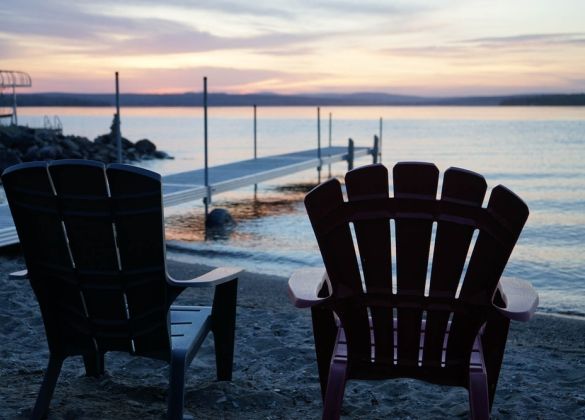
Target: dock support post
(14, 116)
(380, 142)
(330, 144)
(207, 198)
(255, 147)
(319, 143)
(375, 149)
(350, 154)
(117, 121)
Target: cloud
(288, 9)
(187, 79)
(524, 40)
(184, 40)
(468, 48)
(137, 27)
(264, 9)
(71, 28)
(8, 49)
(53, 20)
(224, 79)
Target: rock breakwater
(24, 144)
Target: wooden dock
(189, 186)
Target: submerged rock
(219, 218)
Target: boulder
(111, 139)
(145, 147)
(26, 144)
(51, 152)
(32, 154)
(219, 218)
(8, 158)
(159, 154)
(70, 145)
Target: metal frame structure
(13, 79)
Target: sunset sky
(435, 48)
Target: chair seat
(189, 326)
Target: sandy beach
(275, 374)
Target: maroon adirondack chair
(447, 327)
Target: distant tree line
(546, 100)
(270, 99)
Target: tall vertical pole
(14, 118)
(330, 144)
(118, 129)
(380, 141)
(255, 146)
(206, 171)
(350, 154)
(255, 134)
(319, 142)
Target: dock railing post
(375, 149)
(117, 121)
(350, 154)
(380, 137)
(330, 145)
(255, 146)
(207, 199)
(319, 143)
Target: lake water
(539, 153)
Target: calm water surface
(539, 153)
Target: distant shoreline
(274, 100)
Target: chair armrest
(304, 286)
(213, 278)
(19, 275)
(520, 298)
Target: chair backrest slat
(137, 209)
(373, 238)
(487, 263)
(36, 215)
(85, 210)
(340, 261)
(413, 240)
(451, 247)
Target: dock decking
(189, 186)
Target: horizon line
(313, 94)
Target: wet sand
(275, 375)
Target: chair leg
(335, 390)
(324, 333)
(223, 315)
(494, 338)
(479, 402)
(94, 364)
(46, 392)
(176, 386)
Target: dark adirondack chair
(93, 242)
(442, 323)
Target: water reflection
(279, 201)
